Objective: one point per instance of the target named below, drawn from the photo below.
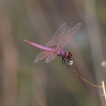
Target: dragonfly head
(68, 55)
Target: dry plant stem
(104, 92)
(103, 85)
(72, 66)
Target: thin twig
(72, 66)
(104, 92)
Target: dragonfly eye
(68, 54)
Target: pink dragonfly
(55, 46)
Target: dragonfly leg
(65, 61)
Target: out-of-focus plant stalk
(9, 61)
(94, 37)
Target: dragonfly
(55, 46)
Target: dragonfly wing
(57, 36)
(68, 35)
(41, 56)
(50, 58)
(50, 43)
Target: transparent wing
(68, 35)
(41, 56)
(57, 36)
(50, 58)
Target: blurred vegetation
(23, 83)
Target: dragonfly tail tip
(27, 41)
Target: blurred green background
(23, 83)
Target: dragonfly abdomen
(39, 46)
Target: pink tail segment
(38, 46)
(27, 41)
